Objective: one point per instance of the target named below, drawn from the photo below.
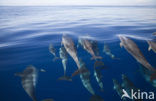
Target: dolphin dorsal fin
(121, 44)
(149, 48)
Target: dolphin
(108, 52)
(147, 75)
(152, 45)
(85, 78)
(133, 49)
(98, 66)
(119, 89)
(88, 46)
(128, 86)
(70, 48)
(29, 79)
(64, 55)
(52, 50)
(95, 47)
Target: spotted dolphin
(88, 46)
(119, 89)
(52, 50)
(95, 47)
(128, 85)
(147, 75)
(70, 48)
(108, 52)
(64, 56)
(29, 79)
(98, 66)
(133, 49)
(85, 78)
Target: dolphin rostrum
(152, 45)
(98, 66)
(52, 50)
(88, 46)
(29, 79)
(133, 49)
(108, 52)
(64, 55)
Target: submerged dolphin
(70, 48)
(119, 89)
(88, 46)
(85, 78)
(64, 56)
(108, 52)
(152, 45)
(147, 75)
(95, 47)
(52, 50)
(29, 79)
(133, 49)
(98, 66)
(128, 86)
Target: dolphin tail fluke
(99, 65)
(79, 71)
(65, 78)
(96, 98)
(96, 57)
(55, 58)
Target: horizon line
(86, 5)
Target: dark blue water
(26, 32)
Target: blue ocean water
(26, 32)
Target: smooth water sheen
(26, 32)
